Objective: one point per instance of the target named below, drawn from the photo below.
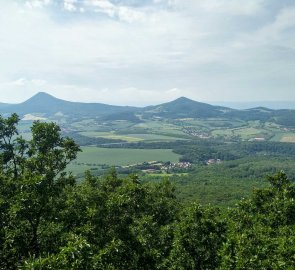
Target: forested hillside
(50, 221)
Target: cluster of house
(156, 167)
(213, 161)
(196, 133)
(180, 165)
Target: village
(161, 167)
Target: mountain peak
(183, 99)
(42, 95)
(48, 105)
(187, 101)
(42, 99)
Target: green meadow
(130, 137)
(95, 156)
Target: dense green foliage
(49, 221)
(199, 151)
(261, 231)
(225, 184)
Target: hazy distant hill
(4, 105)
(49, 106)
(182, 107)
(185, 108)
(275, 105)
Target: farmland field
(115, 156)
(151, 130)
(244, 133)
(288, 138)
(111, 135)
(130, 137)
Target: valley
(213, 154)
(147, 135)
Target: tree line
(49, 221)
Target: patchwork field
(169, 130)
(245, 133)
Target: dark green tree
(198, 237)
(32, 187)
(11, 148)
(262, 229)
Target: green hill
(185, 108)
(49, 105)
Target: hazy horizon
(138, 53)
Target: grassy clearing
(244, 133)
(290, 138)
(284, 137)
(160, 127)
(223, 132)
(211, 123)
(79, 168)
(154, 137)
(95, 134)
(87, 124)
(121, 124)
(277, 137)
(114, 156)
(195, 123)
(111, 135)
(247, 133)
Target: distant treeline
(230, 151)
(84, 140)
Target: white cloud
(284, 21)
(38, 82)
(272, 34)
(174, 92)
(69, 5)
(233, 7)
(38, 3)
(230, 7)
(19, 82)
(25, 82)
(146, 53)
(123, 13)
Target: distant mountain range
(45, 105)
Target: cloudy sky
(140, 52)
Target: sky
(142, 52)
